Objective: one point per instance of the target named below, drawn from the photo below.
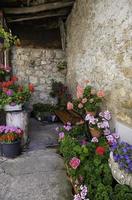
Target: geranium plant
(13, 93)
(10, 134)
(88, 100)
(101, 122)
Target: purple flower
(69, 123)
(9, 92)
(105, 124)
(61, 135)
(67, 127)
(77, 197)
(84, 142)
(92, 120)
(106, 114)
(106, 131)
(115, 135)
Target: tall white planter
(18, 119)
(120, 176)
(12, 108)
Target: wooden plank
(46, 15)
(65, 117)
(39, 8)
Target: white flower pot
(9, 108)
(120, 176)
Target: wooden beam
(46, 15)
(40, 8)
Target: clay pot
(95, 133)
(91, 113)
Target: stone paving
(39, 173)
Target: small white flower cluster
(82, 195)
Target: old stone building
(98, 48)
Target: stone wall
(99, 49)
(38, 66)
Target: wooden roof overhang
(26, 10)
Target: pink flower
(100, 93)
(74, 162)
(80, 91)
(69, 106)
(61, 135)
(80, 105)
(84, 100)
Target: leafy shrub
(60, 91)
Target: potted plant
(99, 124)
(61, 93)
(92, 100)
(10, 140)
(13, 95)
(7, 39)
(120, 162)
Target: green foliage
(78, 131)
(41, 111)
(62, 65)
(87, 91)
(122, 192)
(68, 146)
(41, 107)
(60, 91)
(9, 39)
(93, 168)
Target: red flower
(20, 89)
(14, 79)
(100, 150)
(7, 84)
(31, 87)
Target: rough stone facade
(38, 66)
(99, 49)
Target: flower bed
(87, 165)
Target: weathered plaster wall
(99, 48)
(38, 66)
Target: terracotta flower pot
(90, 113)
(95, 133)
(119, 175)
